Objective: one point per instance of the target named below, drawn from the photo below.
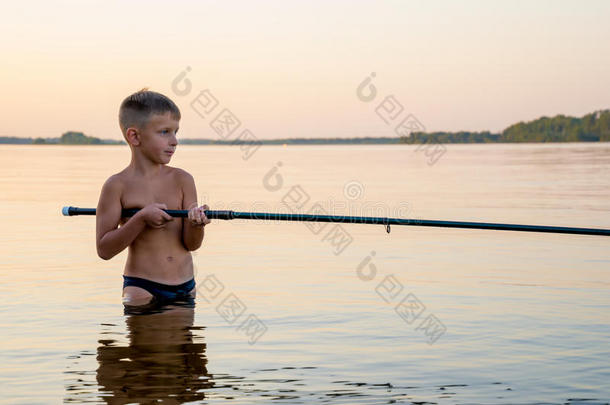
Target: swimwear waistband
(142, 282)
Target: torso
(157, 254)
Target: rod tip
(65, 211)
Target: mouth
(169, 152)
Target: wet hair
(137, 108)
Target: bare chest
(138, 194)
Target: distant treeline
(594, 127)
(68, 138)
(296, 141)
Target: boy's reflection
(160, 363)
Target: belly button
(170, 258)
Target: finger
(161, 207)
(192, 215)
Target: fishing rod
(228, 215)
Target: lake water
(288, 313)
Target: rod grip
(70, 211)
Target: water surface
(518, 317)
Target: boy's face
(158, 137)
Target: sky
(292, 68)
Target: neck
(143, 166)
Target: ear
(133, 136)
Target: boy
(159, 265)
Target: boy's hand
(197, 217)
(154, 216)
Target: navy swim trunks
(161, 292)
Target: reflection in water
(161, 363)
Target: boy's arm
(192, 234)
(110, 240)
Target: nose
(173, 140)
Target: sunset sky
(291, 68)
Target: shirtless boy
(159, 265)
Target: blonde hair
(137, 108)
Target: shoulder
(112, 191)
(114, 183)
(181, 176)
